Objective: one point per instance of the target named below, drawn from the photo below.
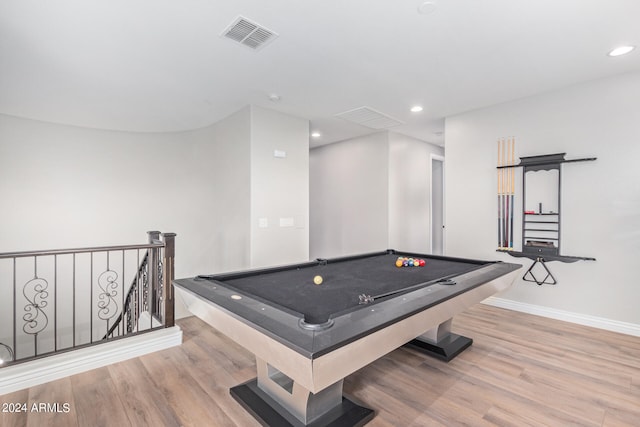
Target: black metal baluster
(122, 323)
(15, 313)
(106, 294)
(73, 281)
(138, 283)
(35, 273)
(55, 303)
(91, 297)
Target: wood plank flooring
(522, 370)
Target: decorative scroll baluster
(36, 293)
(160, 293)
(145, 287)
(107, 305)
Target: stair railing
(58, 300)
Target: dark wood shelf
(544, 160)
(561, 258)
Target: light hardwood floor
(522, 370)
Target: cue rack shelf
(540, 228)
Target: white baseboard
(567, 316)
(50, 368)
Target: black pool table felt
(343, 282)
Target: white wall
(279, 188)
(600, 199)
(369, 194)
(349, 187)
(410, 192)
(64, 186)
(227, 176)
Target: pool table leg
(440, 342)
(275, 399)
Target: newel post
(154, 274)
(168, 275)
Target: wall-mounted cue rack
(541, 222)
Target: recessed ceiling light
(274, 97)
(621, 50)
(416, 109)
(315, 135)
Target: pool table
(308, 337)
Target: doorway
(437, 205)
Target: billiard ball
(399, 262)
(422, 263)
(317, 280)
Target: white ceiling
(162, 66)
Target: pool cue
(513, 181)
(507, 195)
(505, 200)
(499, 200)
(505, 244)
(501, 195)
(368, 299)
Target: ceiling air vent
(369, 117)
(249, 33)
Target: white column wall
(279, 188)
(63, 187)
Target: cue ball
(317, 280)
